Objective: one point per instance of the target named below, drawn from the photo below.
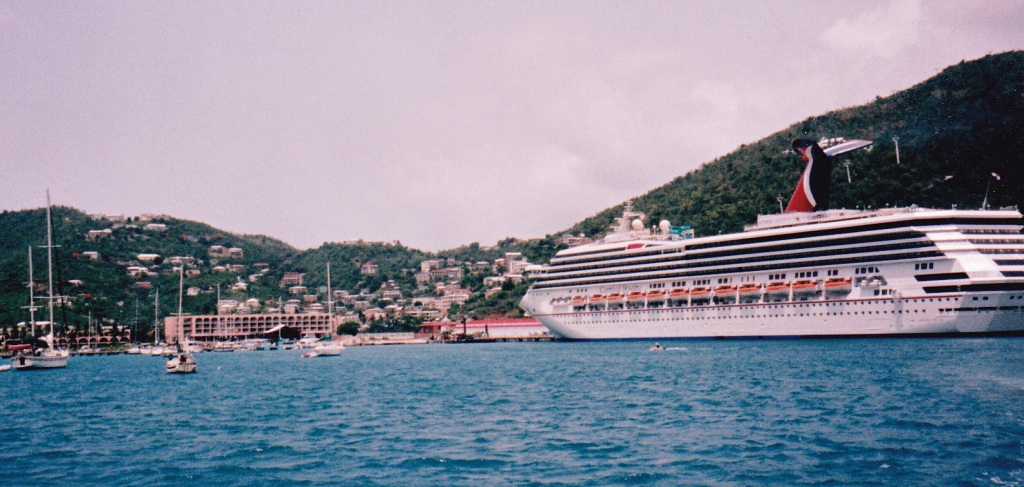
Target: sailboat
(134, 349)
(182, 362)
(329, 349)
(156, 350)
(51, 357)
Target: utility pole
(779, 199)
(896, 140)
(846, 164)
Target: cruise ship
(808, 272)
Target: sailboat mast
(330, 296)
(49, 258)
(31, 293)
(181, 284)
(156, 318)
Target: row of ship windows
(617, 253)
(676, 309)
(696, 265)
(826, 246)
(865, 228)
(747, 317)
(541, 284)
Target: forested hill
(104, 289)
(967, 122)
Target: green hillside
(966, 122)
(112, 298)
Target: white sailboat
(331, 348)
(156, 350)
(51, 357)
(134, 349)
(182, 362)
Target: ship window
(876, 292)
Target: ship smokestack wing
(848, 146)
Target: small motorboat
(310, 355)
(328, 349)
(5, 367)
(181, 364)
(656, 347)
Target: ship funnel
(812, 191)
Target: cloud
(882, 32)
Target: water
(786, 412)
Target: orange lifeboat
(700, 293)
(597, 302)
(636, 296)
(579, 303)
(635, 299)
(777, 290)
(839, 285)
(725, 293)
(750, 290)
(655, 299)
(616, 300)
(657, 295)
(804, 287)
(678, 296)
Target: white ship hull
(883, 317)
(900, 272)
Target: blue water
(785, 412)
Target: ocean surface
(778, 412)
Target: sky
(435, 124)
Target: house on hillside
(292, 279)
(368, 268)
(95, 235)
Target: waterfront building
(228, 327)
